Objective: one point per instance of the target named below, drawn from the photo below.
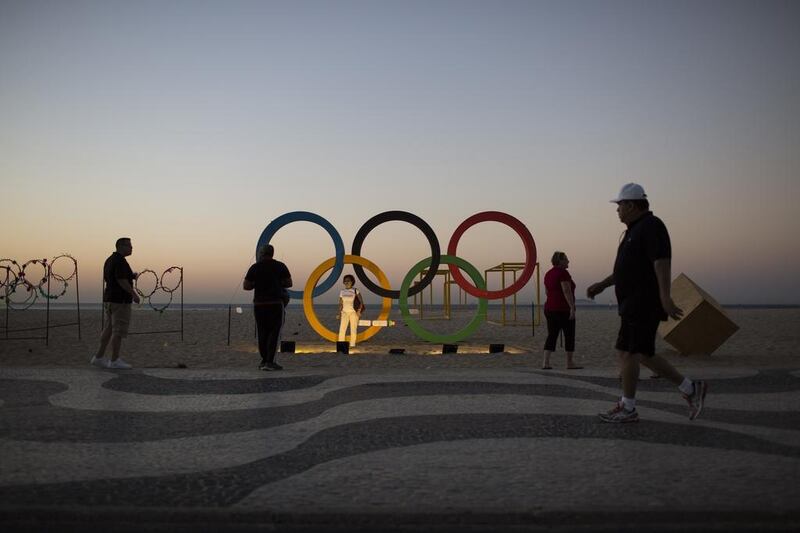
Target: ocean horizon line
(395, 305)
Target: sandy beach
(766, 338)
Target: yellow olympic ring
(308, 297)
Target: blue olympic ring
(305, 216)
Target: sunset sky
(189, 125)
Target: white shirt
(347, 296)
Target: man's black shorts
(637, 335)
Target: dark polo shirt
(635, 282)
(267, 276)
(117, 267)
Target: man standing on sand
(117, 298)
(642, 279)
(270, 279)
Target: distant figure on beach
(350, 308)
(642, 280)
(559, 310)
(270, 279)
(118, 296)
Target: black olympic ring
(402, 216)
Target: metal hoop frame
(42, 288)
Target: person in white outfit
(349, 310)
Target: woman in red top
(559, 309)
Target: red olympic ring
(527, 241)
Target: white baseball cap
(630, 191)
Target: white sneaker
(100, 362)
(119, 364)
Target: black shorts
(637, 335)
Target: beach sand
(767, 338)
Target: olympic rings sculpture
(158, 285)
(431, 265)
(14, 276)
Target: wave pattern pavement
(477, 448)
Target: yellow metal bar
(431, 292)
(446, 295)
(421, 299)
(514, 267)
(503, 270)
(538, 296)
(515, 298)
(486, 280)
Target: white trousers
(351, 318)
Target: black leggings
(559, 321)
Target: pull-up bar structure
(513, 268)
(446, 294)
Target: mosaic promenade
(405, 450)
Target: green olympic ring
(445, 338)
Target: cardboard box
(705, 325)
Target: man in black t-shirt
(269, 280)
(641, 280)
(118, 295)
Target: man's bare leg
(629, 372)
(116, 343)
(104, 338)
(661, 367)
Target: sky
(190, 125)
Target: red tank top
(555, 295)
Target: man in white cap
(641, 280)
